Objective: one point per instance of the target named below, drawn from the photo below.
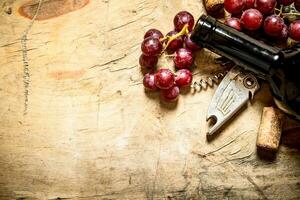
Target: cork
(270, 129)
(214, 8)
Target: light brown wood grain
(91, 132)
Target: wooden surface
(91, 132)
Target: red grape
(285, 2)
(164, 78)
(234, 23)
(182, 18)
(151, 46)
(294, 30)
(148, 61)
(265, 6)
(284, 32)
(251, 19)
(170, 94)
(297, 5)
(153, 33)
(183, 77)
(190, 44)
(234, 6)
(249, 4)
(273, 25)
(183, 58)
(176, 43)
(149, 82)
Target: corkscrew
(214, 79)
(207, 82)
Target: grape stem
(184, 31)
(280, 10)
(285, 14)
(295, 14)
(169, 56)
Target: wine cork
(214, 8)
(270, 129)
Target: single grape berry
(183, 77)
(285, 2)
(249, 4)
(164, 78)
(148, 61)
(266, 7)
(153, 33)
(149, 82)
(182, 18)
(294, 30)
(297, 5)
(234, 6)
(273, 26)
(190, 44)
(151, 46)
(183, 58)
(170, 94)
(234, 23)
(176, 43)
(251, 19)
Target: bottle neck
(236, 46)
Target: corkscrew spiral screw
(208, 82)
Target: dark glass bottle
(280, 67)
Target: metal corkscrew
(208, 82)
(214, 79)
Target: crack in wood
(26, 72)
(257, 188)
(133, 21)
(221, 147)
(108, 62)
(9, 44)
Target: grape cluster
(177, 43)
(266, 15)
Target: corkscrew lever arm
(237, 87)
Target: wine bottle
(277, 66)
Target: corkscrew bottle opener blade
(237, 87)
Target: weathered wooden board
(91, 132)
